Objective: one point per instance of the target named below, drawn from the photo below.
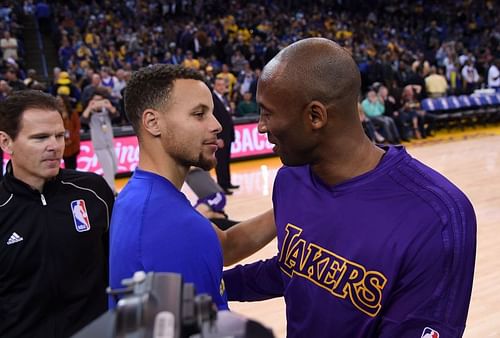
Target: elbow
(230, 255)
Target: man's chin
(289, 162)
(51, 173)
(206, 164)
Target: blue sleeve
(253, 282)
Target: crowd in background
(406, 50)
(12, 49)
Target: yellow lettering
(331, 272)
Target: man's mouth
(214, 144)
(270, 140)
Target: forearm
(246, 238)
(254, 282)
(85, 115)
(112, 109)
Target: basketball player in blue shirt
(154, 227)
(371, 242)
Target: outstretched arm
(247, 237)
(253, 282)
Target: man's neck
(34, 184)
(164, 166)
(351, 161)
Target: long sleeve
(253, 282)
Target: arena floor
(470, 159)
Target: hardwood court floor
(470, 159)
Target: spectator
(247, 106)
(368, 127)
(12, 79)
(190, 62)
(395, 39)
(109, 81)
(238, 62)
(223, 114)
(8, 45)
(97, 115)
(245, 79)
(30, 79)
(120, 83)
(64, 81)
(89, 90)
(494, 75)
(435, 84)
(391, 109)
(43, 14)
(5, 90)
(470, 77)
(422, 122)
(229, 79)
(374, 110)
(71, 122)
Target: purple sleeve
(418, 327)
(253, 282)
(434, 286)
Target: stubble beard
(206, 163)
(202, 162)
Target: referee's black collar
(18, 187)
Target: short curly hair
(150, 87)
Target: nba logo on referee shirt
(80, 215)
(430, 333)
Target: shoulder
(216, 99)
(434, 190)
(82, 177)
(162, 205)
(5, 195)
(158, 195)
(87, 181)
(286, 176)
(295, 170)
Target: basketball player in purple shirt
(371, 242)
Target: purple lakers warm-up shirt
(387, 254)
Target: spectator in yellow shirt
(190, 62)
(228, 77)
(435, 84)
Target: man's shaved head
(308, 98)
(315, 69)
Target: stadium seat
(428, 105)
(468, 108)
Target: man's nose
(217, 127)
(261, 126)
(55, 143)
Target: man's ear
(150, 122)
(317, 114)
(6, 143)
